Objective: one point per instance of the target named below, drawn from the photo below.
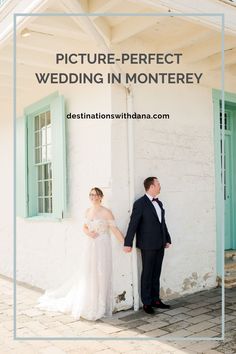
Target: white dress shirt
(156, 206)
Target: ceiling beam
(212, 45)
(231, 69)
(103, 28)
(49, 44)
(58, 26)
(24, 60)
(214, 62)
(100, 35)
(132, 26)
(177, 41)
(101, 6)
(47, 50)
(206, 6)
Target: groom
(152, 237)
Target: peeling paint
(190, 282)
(194, 280)
(168, 294)
(193, 283)
(120, 297)
(207, 276)
(186, 284)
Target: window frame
(27, 201)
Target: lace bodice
(101, 226)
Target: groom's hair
(148, 182)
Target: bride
(88, 293)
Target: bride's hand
(93, 234)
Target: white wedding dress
(88, 293)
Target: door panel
(228, 176)
(228, 193)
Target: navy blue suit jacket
(144, 222)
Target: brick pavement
(190, 316)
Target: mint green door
(229, 176)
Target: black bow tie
(157, 201)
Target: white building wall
(6, 190)
(180, 152)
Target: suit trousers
(150, 278)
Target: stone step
(231, 254)
(229, 279)
(230, 264)
(230, 270)
(230, 286)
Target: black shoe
(148, 309)
(159, 305)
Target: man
(152, 237)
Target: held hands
(127, 249)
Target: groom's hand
(127, 249)
(167, 245)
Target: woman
(88, 293)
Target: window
(41, 166)
(43, 161)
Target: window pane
(49, 138)
(50, 187)
(48, 118)
(49, 153)
(38, 155)
(43, 131)
(47, 207)
(40, 173)
(42, 120)
(50, 170)
(44, 154)
(46, 174)
(46, 188)
(40, 189)
(38, 140)
(40, 205)
(50, 205)
(36, 120)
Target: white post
(129, 99)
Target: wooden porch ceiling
(199, 42)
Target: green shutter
(57, 108)
(55, 104)
(21, 167)
(32, 171)
(218, 184)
